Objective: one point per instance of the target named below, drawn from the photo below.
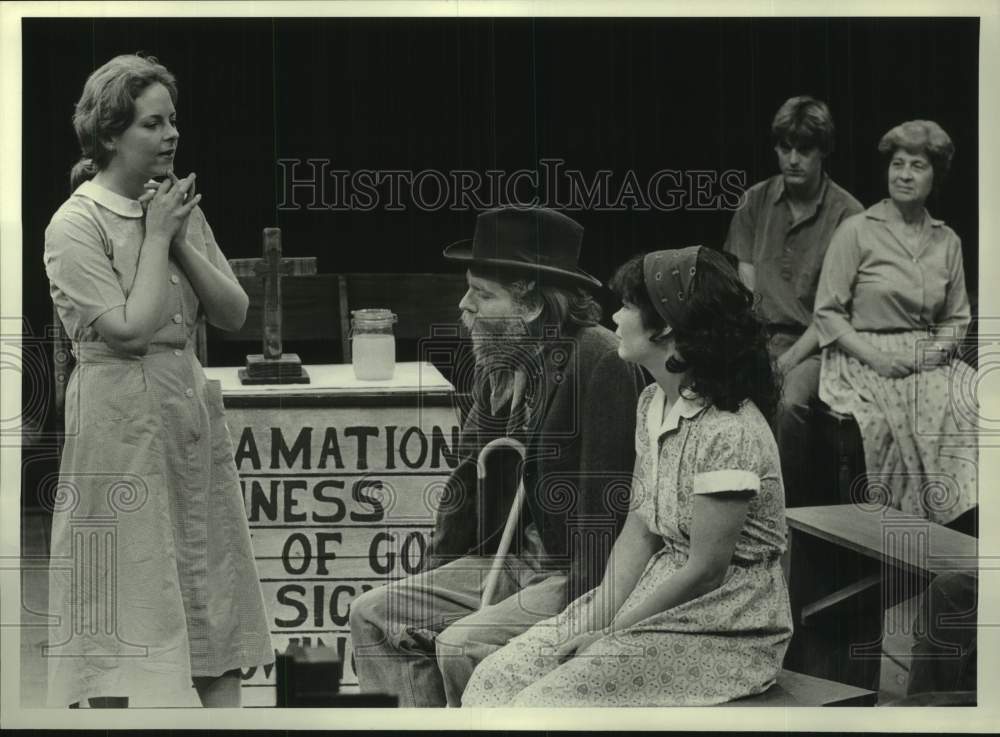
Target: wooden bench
(799, 689)
(864, 531)
(848, 565)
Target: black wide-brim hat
(530, 239)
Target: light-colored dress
(151, 577)
(919, 432)
(717, 647)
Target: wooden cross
(272, 366)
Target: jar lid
(374, 314)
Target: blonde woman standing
(152, 580)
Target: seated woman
(890, 309)
(693, 607)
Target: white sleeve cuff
(716, 481)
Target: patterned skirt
(919, 432)
(720, 646)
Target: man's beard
(497, 342)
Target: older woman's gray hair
(921, 137)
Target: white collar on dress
(111, 200)
(686, 407)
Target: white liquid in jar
(373, 356)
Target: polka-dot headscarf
(668, 276)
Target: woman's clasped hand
(168, 206)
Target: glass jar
(373, 344)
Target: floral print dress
(720, 646)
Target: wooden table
(413, 384)
(339, 478)
(849, 563)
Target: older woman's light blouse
(873, 281)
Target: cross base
(286, 369)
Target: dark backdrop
(476, 94)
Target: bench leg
(841, 643)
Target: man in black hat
(548, 376)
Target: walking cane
(515, 512)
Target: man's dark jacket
(580, 442)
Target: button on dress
(152, 578)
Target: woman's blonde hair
(107, 107)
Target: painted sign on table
(339, 481)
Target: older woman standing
(890, 309)
(151, 572)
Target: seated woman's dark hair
(722, 343)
